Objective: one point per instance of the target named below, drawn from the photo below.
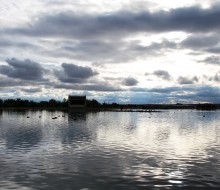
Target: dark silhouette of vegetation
(206, 106)
(19, 103)
(52, 103)
(95, 105)
(1, 102)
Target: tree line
(20, 103)
(52, 103)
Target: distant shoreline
(126, 108)
(94, 105)
(32, 108)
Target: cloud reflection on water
(110, 149)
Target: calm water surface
(110, 150)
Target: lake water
(171, 149)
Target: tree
(92, 103)
(1, 103)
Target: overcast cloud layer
(125, 51)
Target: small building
(77, 102)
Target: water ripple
(110, 150)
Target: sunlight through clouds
(126, 42)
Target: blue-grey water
(172, 149)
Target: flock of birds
(58, 116)
(52, 117)
(75, 118)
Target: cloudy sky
(127, 51)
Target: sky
(127, 51)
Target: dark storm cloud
(215, 60)
(135, 46)
(215, 78)
(25, 70)
(89, 87)
(130, 81)
(200, 41)
(166, 90)
(107, 51)
(92, 50)
(8, 82)
(162, 74)
(7, 43)
(31, 90)
(123, 23)
(170, 90)
(75, 74)
(186, 80)
(200, 94)
(215, 50)
(75, 71)
(65, 79)
(208, 92)
(189, 93)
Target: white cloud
(173, 40)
